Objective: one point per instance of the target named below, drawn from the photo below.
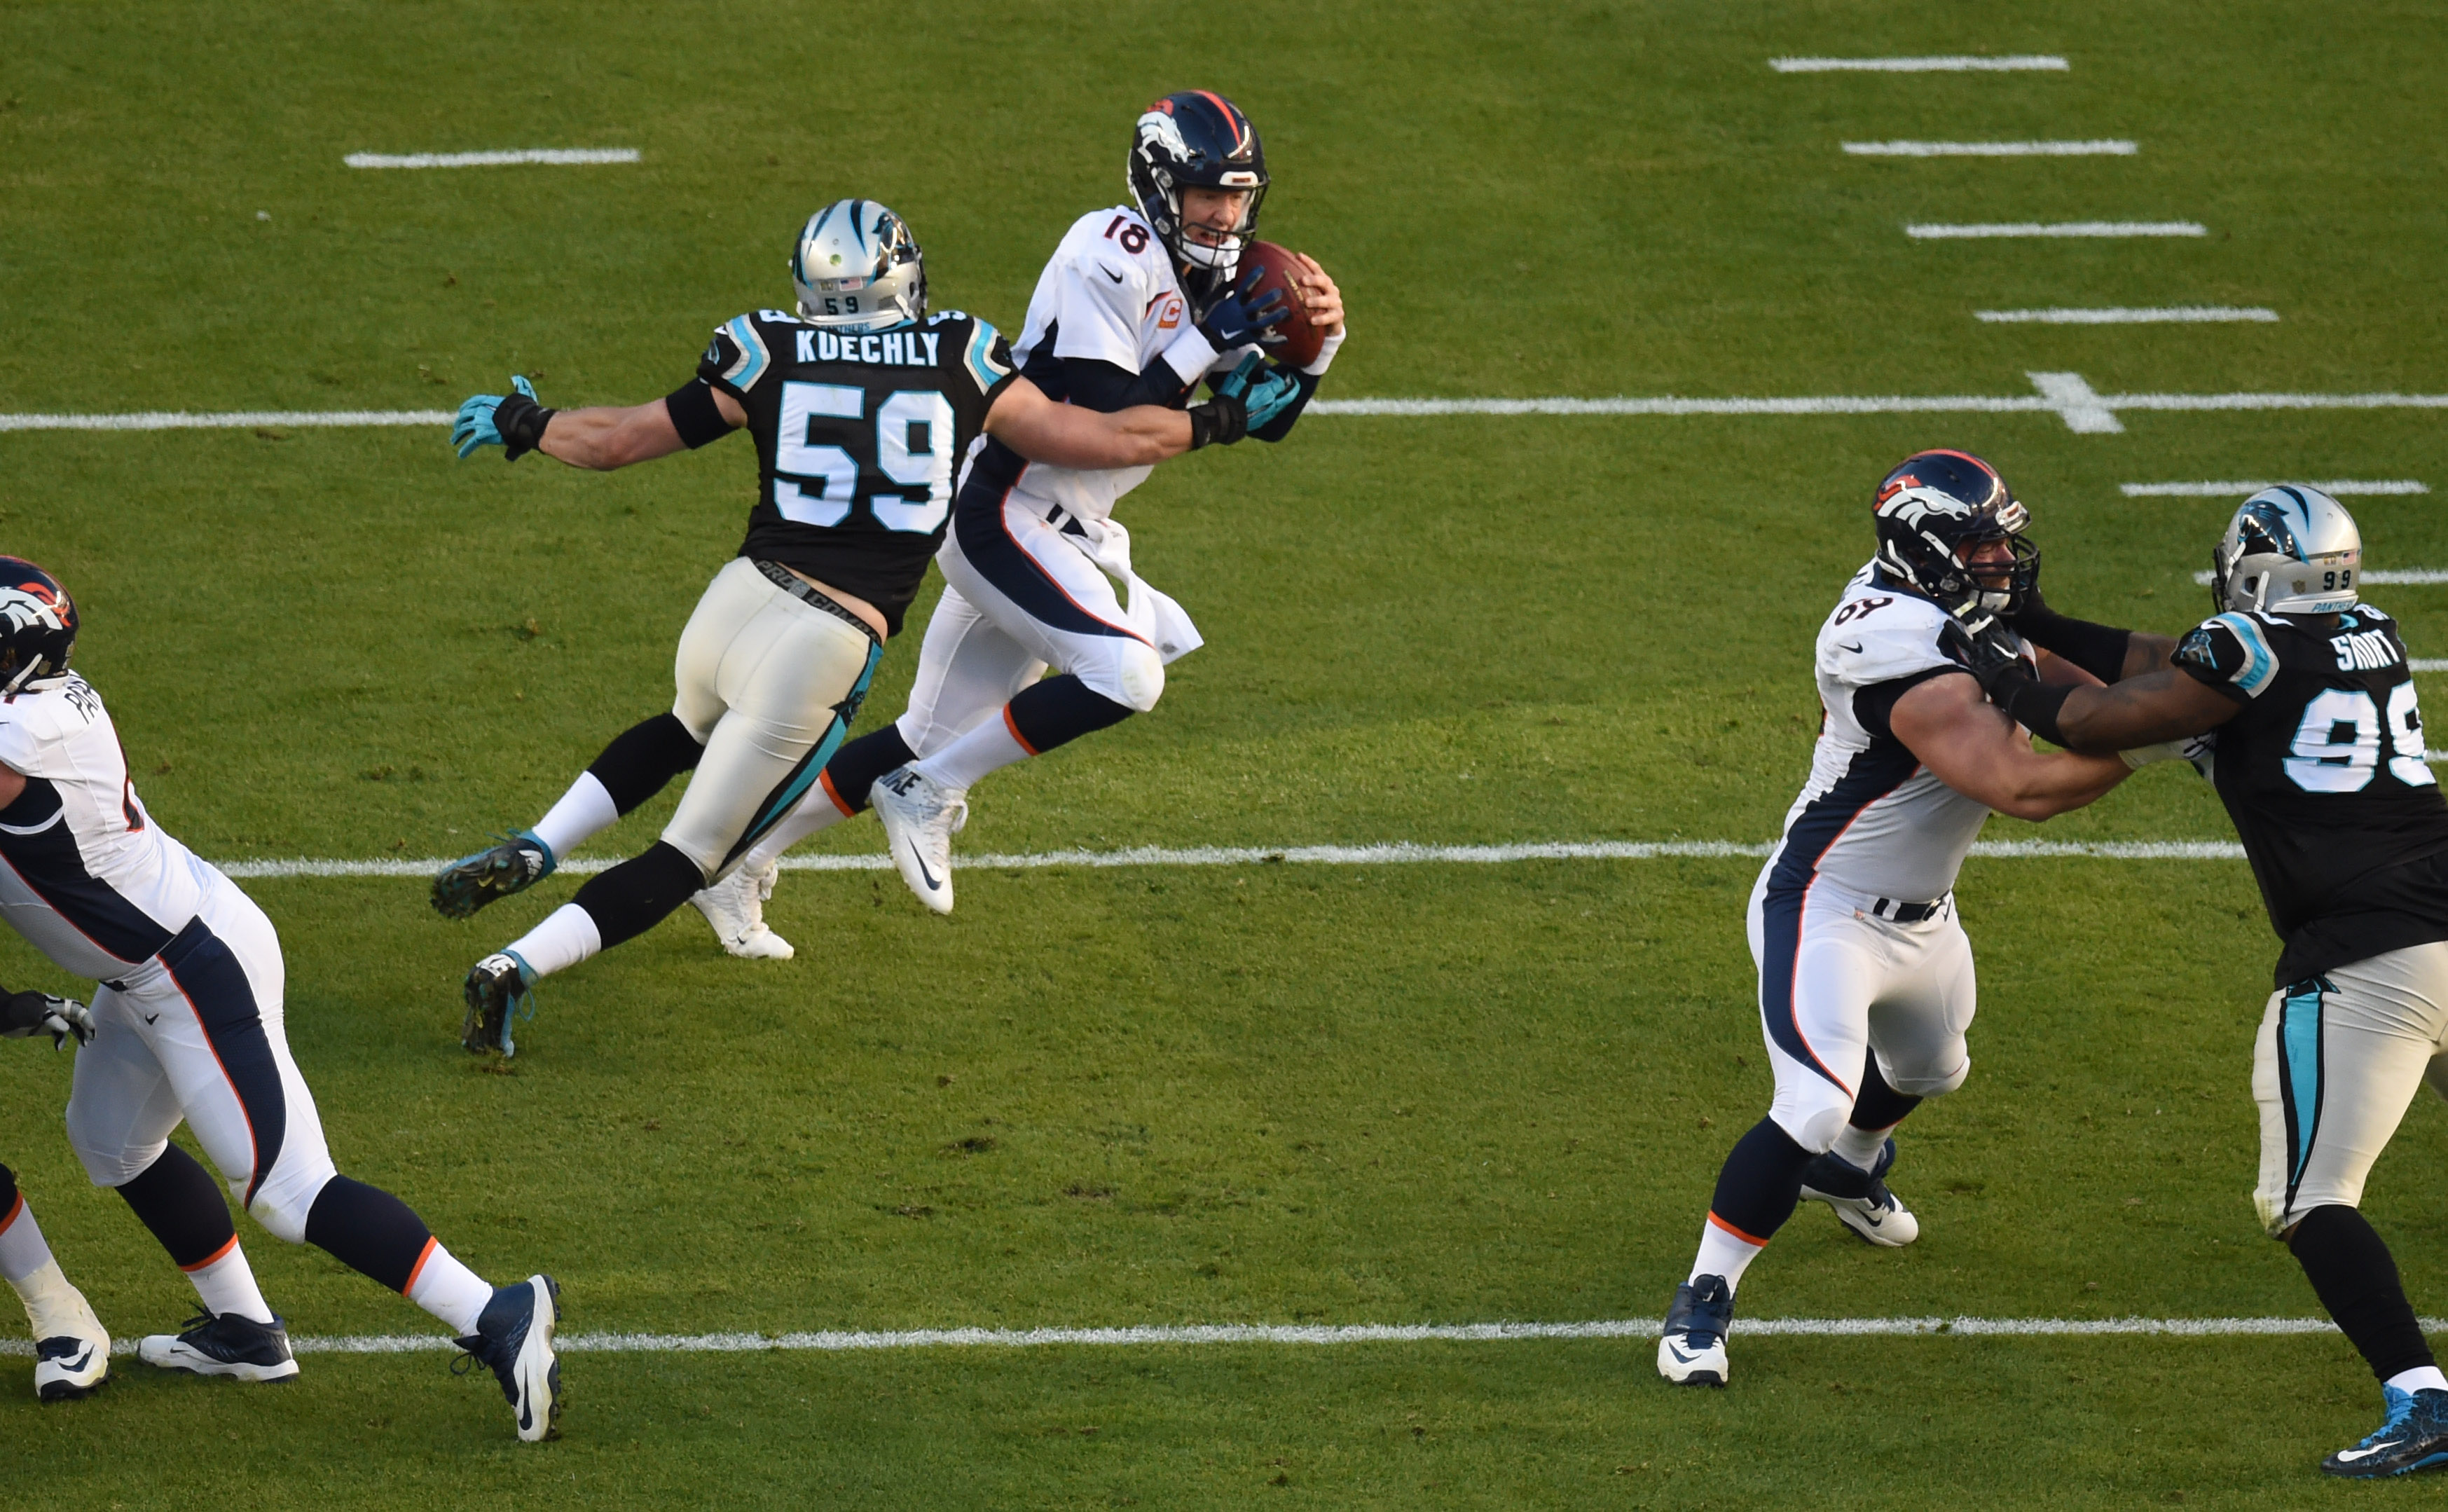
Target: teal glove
(1265, 399)
(514, 421)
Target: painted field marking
(2099, 148)
(1228, 1333)
(2238, 490)
(2426, 665)
(2064, 394)
(2122, 316)
(559, 157)
(2412, 577)
(2011, 62)
(1928, 232)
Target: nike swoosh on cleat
(932, 886)
(2350, 1456)
(1680, 1358)
(79, 1362)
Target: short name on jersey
(2362, 650)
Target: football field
(1292, 1090)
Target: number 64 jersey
(2323, 772)
(859, 438)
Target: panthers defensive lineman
(866, 410)
(1140, 302)
(188, 1025)
(2317, 750)
(1865, 979)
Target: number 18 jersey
(859, 439)
(2323, 772)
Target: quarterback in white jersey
(1866, 985)
(1138, 304)
(188, 1025)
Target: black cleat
(513, 1339)
(2414, 1438)
(226, 1345)
(467, 884)
(497, 990)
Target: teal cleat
(2414, 1438)
(467, 884)
(498, 989)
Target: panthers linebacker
(1865, 979)
(1138, 303)
(188, 1025)
(865, 412)
(2317, 750)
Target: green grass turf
(1273, 1094)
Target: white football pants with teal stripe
(2336, 1065)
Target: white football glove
(26, 1014)
(2195, 749)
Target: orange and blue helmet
(38, 625)
(1197, 139)
(1933, 509)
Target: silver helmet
(2289, 549)
(858, 268)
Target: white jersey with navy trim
(85, 873)
(1109, 294)
(1872, 819)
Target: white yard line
(2064, 394)
(2012, 62)
(558, 157)
(2426, 665)
(2238, 490)
(1228, 1333)
(2103, 147)
(1927, 231)
(2122, 316)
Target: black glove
(1990, 656)
(1232, 322)
(1222, 420)
(26, 1014)
(521, 421)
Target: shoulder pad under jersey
(1877, 634)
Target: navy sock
(858, 763)
(644, 757)
(1060, 709)
(1879, 1106)
(1761, 1181)
(2355, 1277)
(369, 1231)
(638, 894)
(180, 1201)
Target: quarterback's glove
(514, 422)
(24, 1014)
(1232, 321)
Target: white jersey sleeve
(1878, 634)
(1107, 296)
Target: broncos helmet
(38, 625)
(2288, 549)
(1197, 140)
(857, 268)
(1932, 509)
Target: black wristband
(2034, 706)
(1222, 420)
(694, 414)
(2098, 649)
(521, 421)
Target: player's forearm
(606, 437)
(2042, 786)
(2166, 705)
(1064, 435)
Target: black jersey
(858, 439)
(2323, 772)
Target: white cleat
(736, 908)
(1860, 1198)
(1692, 1348)
(71, 1347)
(920, 816)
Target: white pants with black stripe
(2334, 1068)
(197, 1034)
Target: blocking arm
(1978, 750)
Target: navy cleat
(513, 1339)
(1692, 1350)
(223, 1344)
(2414, 1438)
(498, 988)
(1861, 1197)
(467, 884)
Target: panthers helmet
(1197, 140)
(2288, 549)
(38, 625)
(857, 268)
(1932, 509)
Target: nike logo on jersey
(2364, 650)
(1855, 647)
(892, 348)
(153, 1019)
(1109, 273)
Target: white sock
(1861, 1147)
(990, 747)
(226, 1284)
(818, 810)
(586, 810)
(2422, 1378)
(565, 937)
(53, 1307)
(22, 1250)
(1723, 1253)
(448, 1290)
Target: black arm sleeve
(694, 414)
(1105, 387)
(1281, 425)
(2098, 649)
(1874, 704)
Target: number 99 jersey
(2323, 772)
(860, 437)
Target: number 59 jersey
(2323, 772)
(859, 438)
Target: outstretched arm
(604, 437)
(1070, 436)
(2167, 704)
(1976, 750)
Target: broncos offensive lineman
(1138, 305)
(187, 1024)
(1865, 979)
(863, 405)
(2317, 750)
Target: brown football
(1277, 266)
